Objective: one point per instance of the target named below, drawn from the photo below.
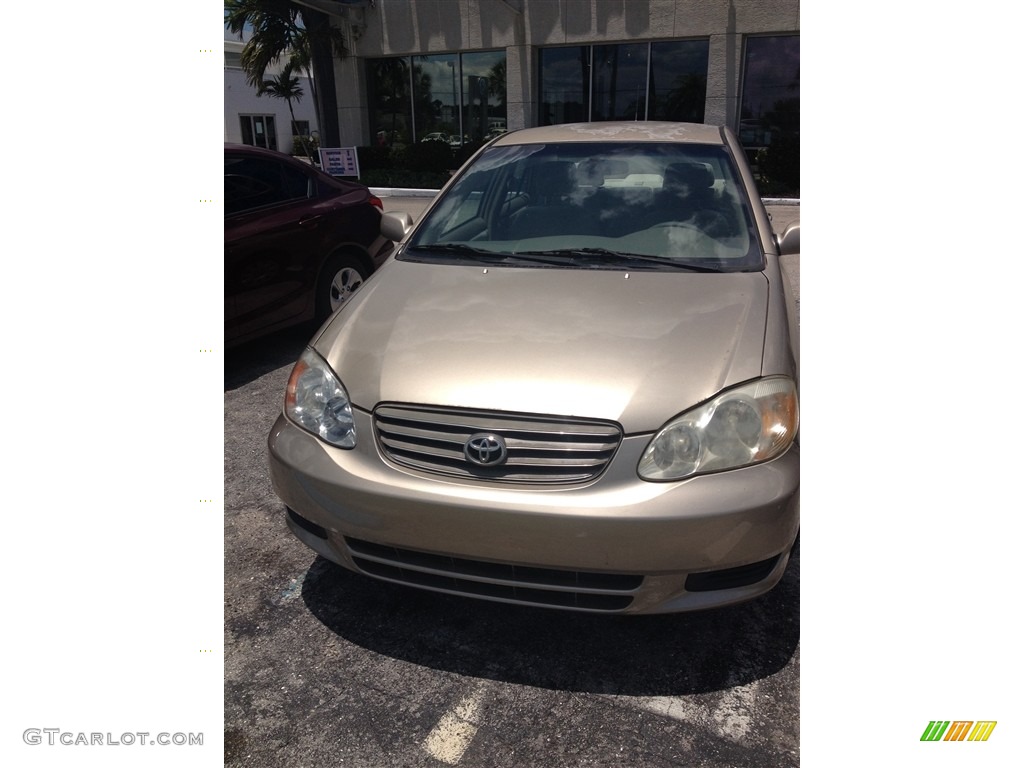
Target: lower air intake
(553, 587)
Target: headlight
(317, 402)
(746, 425)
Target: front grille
(585, 590)
(541, 449)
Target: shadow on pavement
(665, 655)
(247, 362)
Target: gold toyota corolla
(573, 385)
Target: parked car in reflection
(438, 136)
(297, 242)
(575, 385)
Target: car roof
(307, 168)
(251, 150)
(632, 131)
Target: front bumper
(617, 544)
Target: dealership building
(464, 70)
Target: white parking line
(733, 715)
(730, 717)
(454, 732)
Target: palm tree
(286, 86)
(300, 59)
(685, 102)
(496, 82)
(391, 96)
(284, 28)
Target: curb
(395, 192)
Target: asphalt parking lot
(324, 667)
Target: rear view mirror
(395, 226)
(789, 241)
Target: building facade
(463, 70)
(262, 121)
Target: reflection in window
(769, 127)
(620, 82)
(448, 97)
(564, 85)
(388, 95)
(630, 81)
(484, 109)
(679, 81)
(770, 103)
(435, 83)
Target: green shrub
(426, 165)
(426, 156)
(310, 141)
(403, 179)
(374, 158)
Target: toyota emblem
(486, 449)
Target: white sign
(341, 161)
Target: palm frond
(284, 86)
(282, 30)
(273, 26)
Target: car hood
(636, 347)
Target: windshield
(596, 205)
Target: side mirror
(789, 241)
(395, 226)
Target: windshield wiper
(603, 256)
(454, 248)
(564, 257)
(485, 256)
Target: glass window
(259, 131)
(620, 82)
(449, 97)
(254, 182)
(484, 110)
(435, 83)
(679, 81)
(232, 59)
(564, 85)
(769, 126)
(300, 127)
(771, 89)
(631, 81)
(388, 96)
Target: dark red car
(297, 242)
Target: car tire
(339, 279)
